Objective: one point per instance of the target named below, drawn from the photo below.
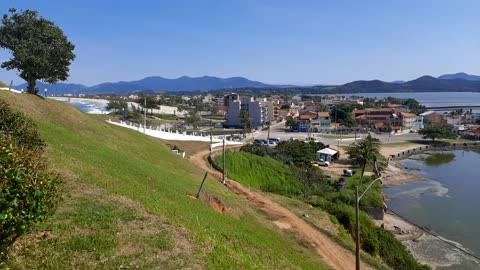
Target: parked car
(275, 140)
(259, 141)
(322, 162)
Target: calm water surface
(431, 99)
(449, 204)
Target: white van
(275, 140)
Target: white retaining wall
(166, 134)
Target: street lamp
(45, 92)
(357, 221)
(123, 115)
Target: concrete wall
(176, 136)
(437, 146)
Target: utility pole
(357, 230)
(335, 120)
(357, 220)
(145, 115)
(224, 168)
(268, 133)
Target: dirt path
(331, 252)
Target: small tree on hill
(39, 48)
(434, 132)
(311, 180)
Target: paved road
(279, 131)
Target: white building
(260, 112)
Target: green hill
(3, 85)
(126, 205)
(262, 173)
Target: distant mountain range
(448, 82)
(460, 75)
(151, 84)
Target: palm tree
(246, 120)
(365, 152)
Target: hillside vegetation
(3, 85)
(254, 170)
(263, 173)
(126, 205)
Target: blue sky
(300, 42)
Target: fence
(174, 135)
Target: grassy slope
(262, 173)
(141, 168)
(267, 174)
(256, 171)
(3, 84)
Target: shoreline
(422, 244)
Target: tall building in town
(260, 112)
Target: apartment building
(260, 112)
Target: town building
(229, 98)
(472, 118)
(259, 111)
(409, 122)
(388, 119)
(313, 121)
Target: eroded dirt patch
(214, 202)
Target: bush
(16, 125)
(374, 240)
(28, 192)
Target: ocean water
(91, 106)
(448, 205)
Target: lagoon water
(431, 99)
(448, 204)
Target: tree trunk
(363, 171)
(31, 87)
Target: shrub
(374, 240)
(28, 192)
(16, 125)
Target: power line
(436, 236)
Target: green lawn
(91, 231)
(261, 173)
